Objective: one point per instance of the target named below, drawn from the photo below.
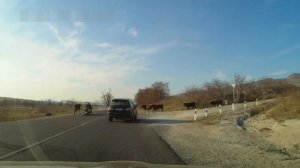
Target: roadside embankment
(217, 140)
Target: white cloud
(278, 73)
(133, 32)
(71, 41)
(221, 75)
(39, 69)
(80, 25)
(248, 78)
(103, 45)
(286, 51)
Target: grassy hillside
(266, 88)
(11, 113)
(294, 79)
(18, 109)
(174, 103)
(284, 107)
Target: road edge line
(170, 147)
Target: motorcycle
(87, 112)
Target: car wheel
(135, 116)
(110, 118)
(131, 118)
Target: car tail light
(128, 109)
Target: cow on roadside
(77, 107)
(149, 107)
(155, 107)
(190, 105)
(216, 102)
(158, 107)
(144, 106)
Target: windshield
(120, 103)
(212, 83)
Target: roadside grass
(12, 113)
(284, 107)
(211, 119)
(261, 108)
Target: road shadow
(93, 114)
(96, 114)
(158, 121)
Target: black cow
(190, 105)
(149, 107)
(216, 102)
(144, 106)
(77, 107)
(155, 107)
(158, 106)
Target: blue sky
(64, 49)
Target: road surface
(83, 138)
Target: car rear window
(119, 103)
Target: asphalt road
(83, 138)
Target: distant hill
(294, 79)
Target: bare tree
(192, 91)
(240, 82)
(107, 97)
(161, 90)
(154, 94)
(251, 91)
(217, 88)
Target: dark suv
(122, 109)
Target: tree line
(216, 89)
(244, 90)
(153, 94)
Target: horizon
(101, 101)
(63, 50)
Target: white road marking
(44, 140)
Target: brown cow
(77, 107)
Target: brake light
(128, 109)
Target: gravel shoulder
(217, 141)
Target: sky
(67, 49)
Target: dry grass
(286, 107)
(211, 119)
(12, 113)
(175, 103)
(262, 108)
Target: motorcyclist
(89, 108)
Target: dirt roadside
(217, 141)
